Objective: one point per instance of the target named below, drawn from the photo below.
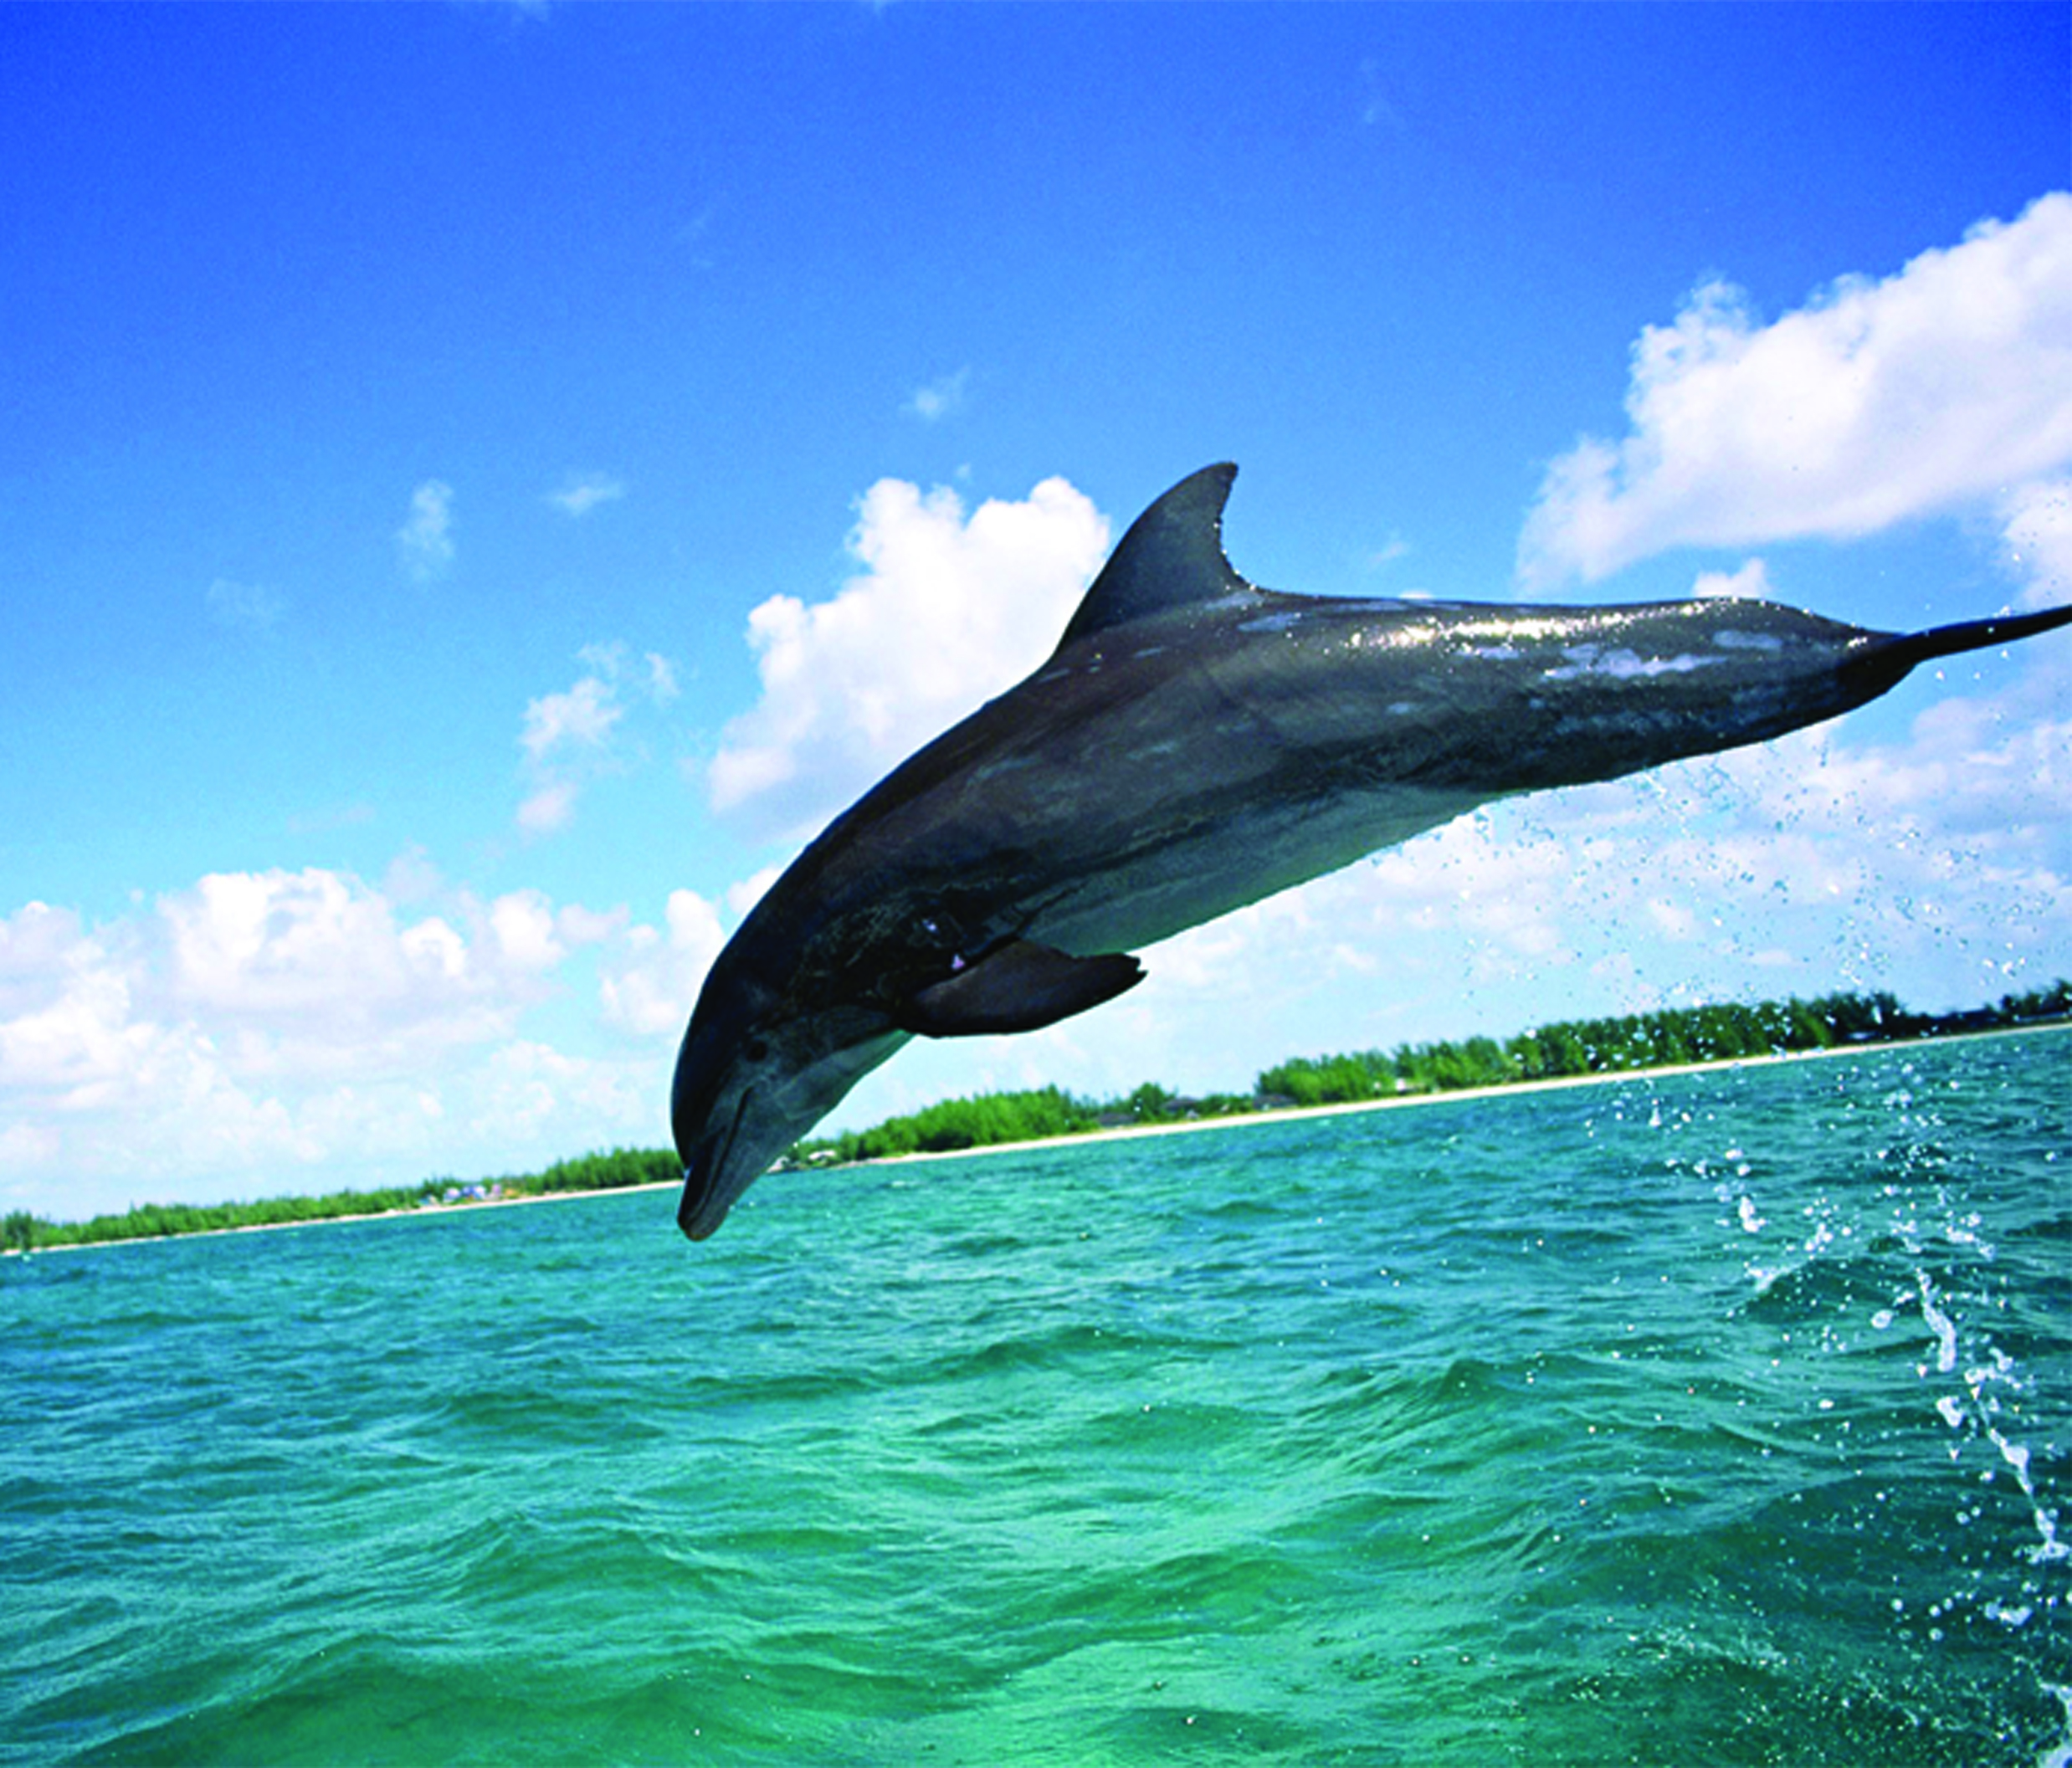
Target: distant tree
(1485, 1060)
(1294, 1079)
(1225, 1104)
(1563, 1050)
(1810, 1029)
(1150, 1104)
(1525, 1056)
(2053, 1001)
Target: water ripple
(1713, 1417)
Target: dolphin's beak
(695, 1211)
(707, 1199)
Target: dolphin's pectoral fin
(1020, 986)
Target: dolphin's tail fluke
(1974, 635)
(1880, 665)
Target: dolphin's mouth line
(690, 1217)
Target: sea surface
(1715, 1418)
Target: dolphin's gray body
(1193, 744)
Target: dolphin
(1194, 743)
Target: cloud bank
(1934, 389)
(255, 1026)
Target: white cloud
(1377, 109)
(946, 613)
(524, 923)
(68, 1024)
(1879, 402)
(1393, 548)
(264, 1031)
(314, 970)
(745, 895)
(170, 1046)
(583, 716)
(580, 926)
(1750, 583)
(2036, 539)
(247, 607)
(410, 878)
(569, 738)
(534, 1096)
(940, 398)
(651, 990)
(548, 811)
(36, 943)
(425, 541)
(583, 492)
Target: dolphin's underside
(1196, 744)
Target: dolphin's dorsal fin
(1173, 555)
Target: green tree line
(1631, 1042)
(1717, 1032)
(622, 1167)
(1575, 1047)
(1567, 1047)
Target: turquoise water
(1716, 1418)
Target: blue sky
(478, 484)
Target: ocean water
(1716, 1418)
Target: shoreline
(1553, 1083)
(1119, 1132)
(412, 1214)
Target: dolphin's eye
(755, 1048)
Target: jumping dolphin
(1194, 743)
